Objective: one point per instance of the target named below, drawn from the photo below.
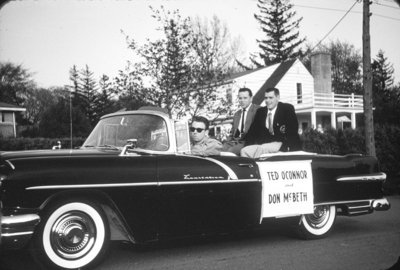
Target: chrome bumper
(16, 231)
(381, 204)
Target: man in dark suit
(240, 127)
(275, 128)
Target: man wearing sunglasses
(201, 144)
(274, 129)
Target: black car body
(133, 180)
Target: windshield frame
(170, 128)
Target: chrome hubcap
(319, 218)
(73, 235)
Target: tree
(55, 122)
(105, 103)
(278, 23)
(346, 66)
(214, 60)
(15, 81)
(84, 90)
(130, 86)
(165, 64)
(88, 95)
(386, 96)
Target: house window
(229, 95)
(299, 93)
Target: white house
(8, 125)
(311, 94)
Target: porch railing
(319, 100)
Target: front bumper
(17, 230)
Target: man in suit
(275, 128)
(242, 120)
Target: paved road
(370, 242)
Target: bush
(15, 144)
(342, 142)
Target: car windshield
(150, 132)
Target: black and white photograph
(200, 134)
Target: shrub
(15, 144)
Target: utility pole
(367, 82)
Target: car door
(203, 194)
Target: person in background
(242, 120)
(275, 128)
(201, 144)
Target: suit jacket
(249, 119)
(285, 126)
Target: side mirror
(130, 144)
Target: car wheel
(318, 224)
(72, 235)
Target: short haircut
(202, 120)
(244, 89)
(276, 90)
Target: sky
(48, 37)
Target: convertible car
(134, 179)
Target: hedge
(15, 144)
(348, 141)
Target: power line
(330, 31)
(387, 17)
(330, 9)
(357, 12)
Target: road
(370, 242)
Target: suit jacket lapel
(277, 116)
(249, 117)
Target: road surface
(370, 242)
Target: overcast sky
(49, 36)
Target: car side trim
(373, 177)
(208, 182)
(142, 184)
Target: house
(310, 93)
(8, 125)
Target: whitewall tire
(72, 235)
(318, 224)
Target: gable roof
(10, 107)
(273, 80)
(242, 73)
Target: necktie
(270, 126)
(243, 120)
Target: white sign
(287, 188)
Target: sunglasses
(192, 129)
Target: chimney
(321, 71)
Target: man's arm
(293, 140)
(251, 136)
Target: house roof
(10, 107)
(242, 73)
(273, 80)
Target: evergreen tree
(104, 102)
(386, 97)
(278, 23)
(88, 95)
(382, 73)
